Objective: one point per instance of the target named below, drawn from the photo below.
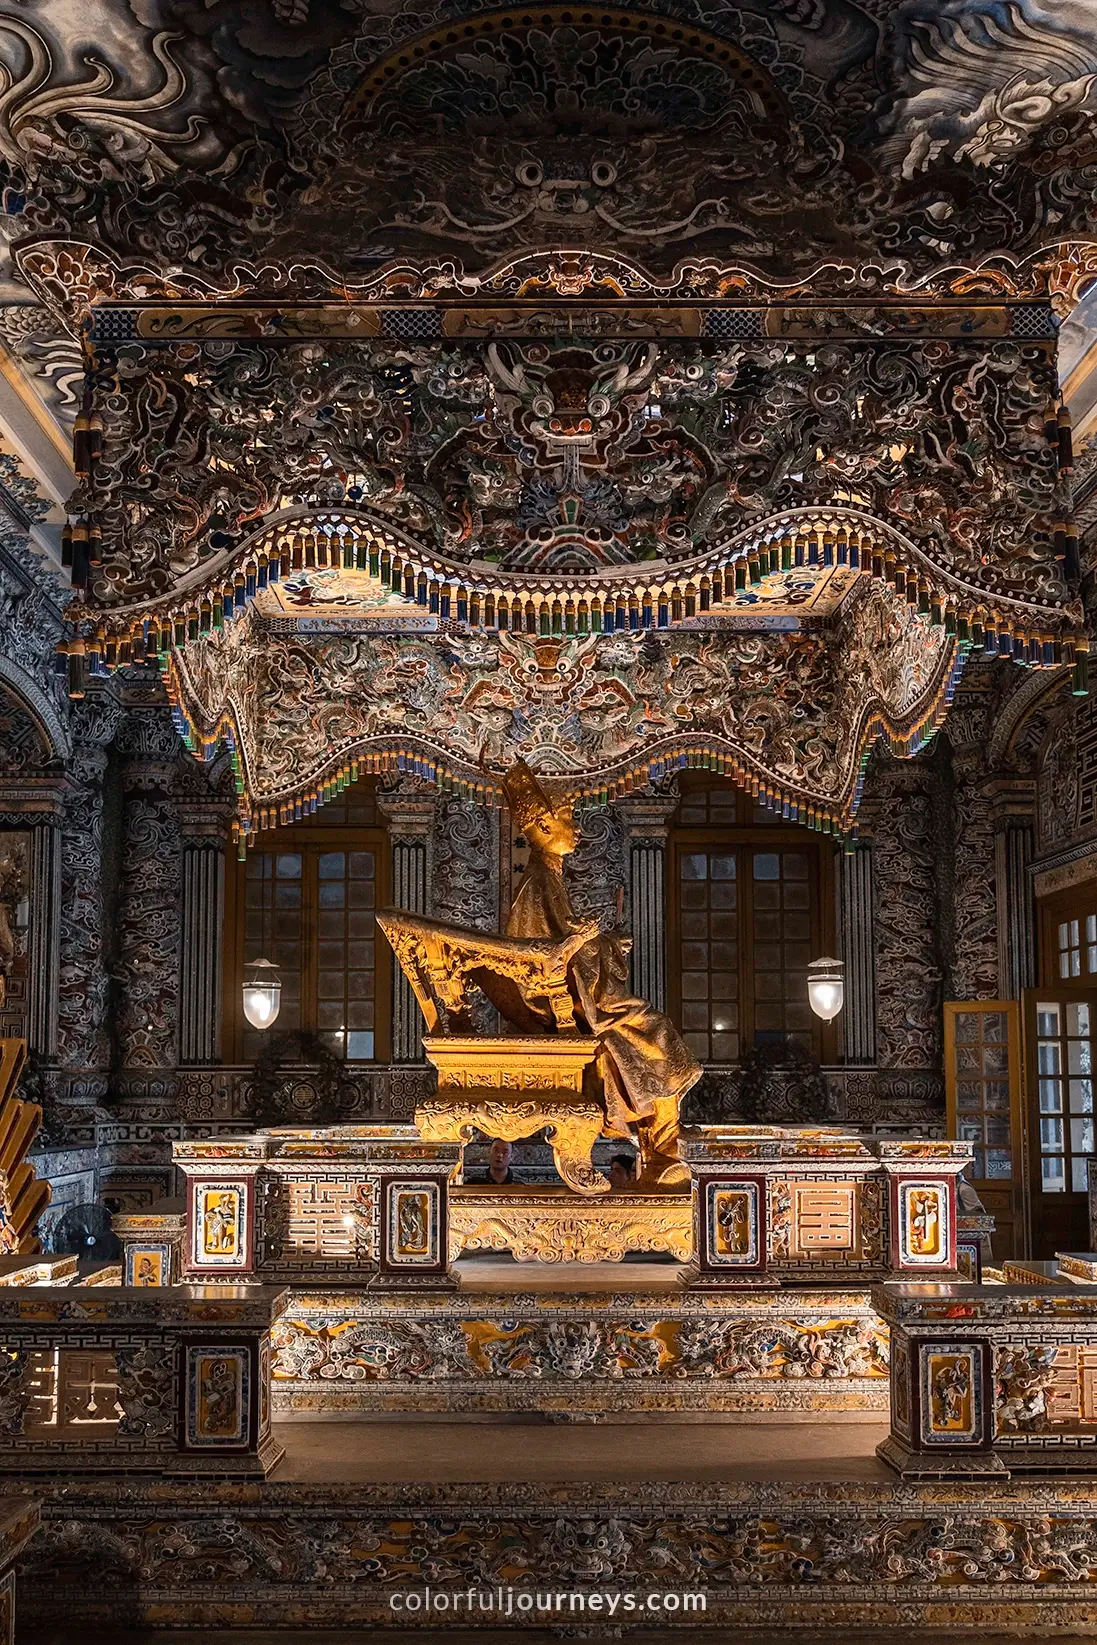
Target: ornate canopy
(619, 389)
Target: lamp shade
(826, 987)
(262, 993)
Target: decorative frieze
(865, 1554)
(557, 1351)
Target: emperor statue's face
(554, 833)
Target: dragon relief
(561, 456)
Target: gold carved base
(515, 1087)
(551, 1225)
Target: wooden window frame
(1075, 903)
(744, 838)
(1069, 1229)
(311, 839)
(1007, 1199)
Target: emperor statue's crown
(527, 799)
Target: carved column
(855, 923)
(32, 812)
(408, 808)
(973, 973)
(898, 814)
(204, 834)
(1013, 807)
(647, 823)
(43, 939)
(83, 995)
(149, 895)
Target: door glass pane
(1081, 1096)
(1081, 1136)
(1051, 1096)
(1052, 1178)
(981, 1073)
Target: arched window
(752, 903)
(306, 898)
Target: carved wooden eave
(790, 715)
(742, 367)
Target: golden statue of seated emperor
(584, 1056)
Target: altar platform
(603, 1342)
(797, 1528)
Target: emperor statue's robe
(644, 1065)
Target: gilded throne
(583, 1056)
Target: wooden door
(1060, 1030)
(983, 1086)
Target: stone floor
(454, 1452)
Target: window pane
(767, 866)
(1081, 1096)
(1081, 1136)
(297, 900)
(1079, 1174)
(1052, 1174)
(1051, 1133)
(1047, 1057)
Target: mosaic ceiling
(655, 336)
